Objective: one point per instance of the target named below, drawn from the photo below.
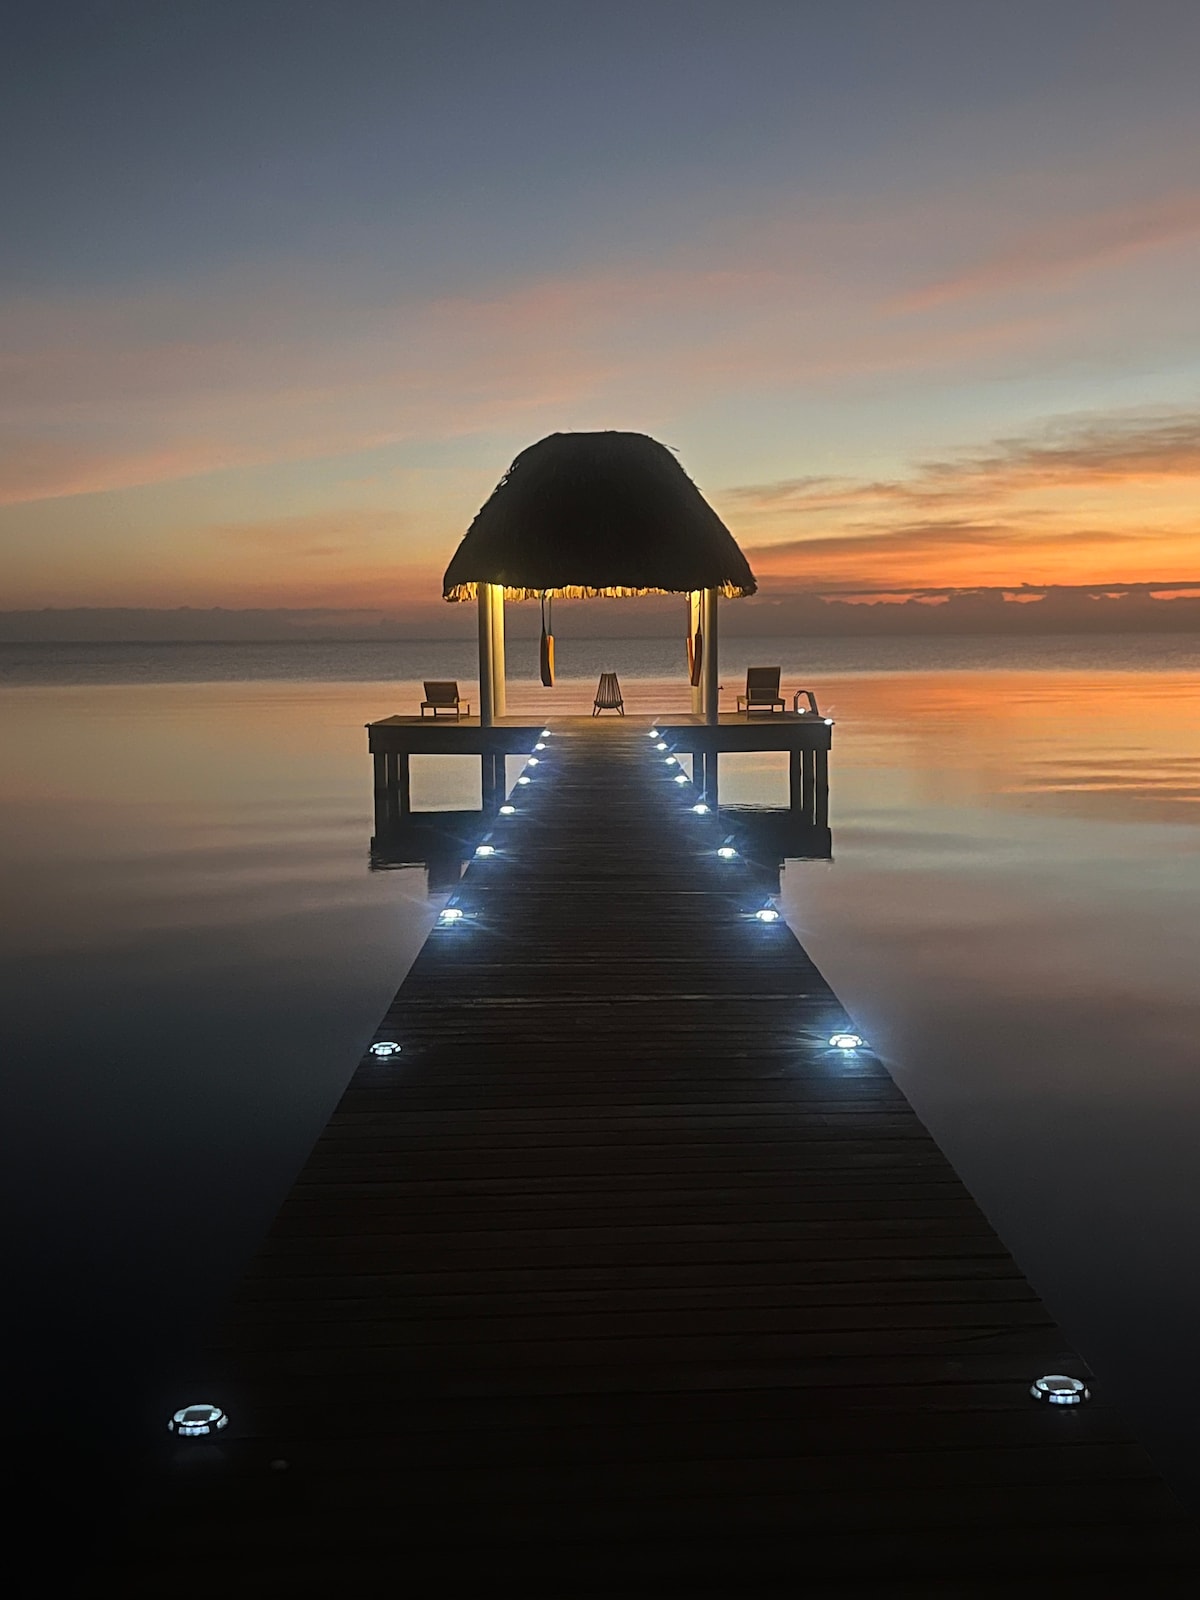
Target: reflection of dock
(618, 1279)
(394, 741)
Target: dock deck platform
(619, 1280)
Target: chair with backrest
(444, 697)
(608, 695)
(762, 691)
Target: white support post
(708, 622)
(486, 662)
(499, 680)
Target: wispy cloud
(112, 389)
(1040, 505)
(1061, 249)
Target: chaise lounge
(762, 691)
(443, 696)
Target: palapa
(584, 514)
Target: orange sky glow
(941, 345)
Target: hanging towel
(546, 653)
(695, 640)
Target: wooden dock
(619, 1280)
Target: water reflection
(193, 956)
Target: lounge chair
(608, 695)
(444, 697)
(762, 691)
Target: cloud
(117, 389)
(1089, 489)
(1070, 452)
(1059, 250)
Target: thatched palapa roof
(582, 514)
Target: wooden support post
(795, 780)
(499, 680)
(808, 783)
(821, 798)
(484, 594)
(711, 653)
(405, 786)
(381, 802)
(391, 789)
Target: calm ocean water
(194, 951)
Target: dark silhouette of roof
(582, 514)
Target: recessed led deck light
(545, 733)
(540, 745)
(653, 734)
(671, 761)
(532, 761)
(384, 1048)
(681, 777)
(485, 849)
(661, 745)
(198, 1422)
(700, 809)
(522, 779)
(726, 852)
(507, 811)
(1060, 1390)
(829, 722)
(452, 914)
(846, 1041)
(767, 914)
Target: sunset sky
(910, 285)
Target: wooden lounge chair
(444, 697)
(762, 691)
(608, 695)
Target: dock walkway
(620, 1281)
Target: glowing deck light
(829, 722)
(532, 762)
(681, 777)
(1060, 1390)
(727, 852)
(846, 1041)
(653, 734)
(661, 745)
(198, 1422)
(545, 733)
(522, 779)
(767, 914)
(451, 914)
(700, 809)
(384, 1048)
(485, 849)
(540, 745)
(671, 761)
(507, 811)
